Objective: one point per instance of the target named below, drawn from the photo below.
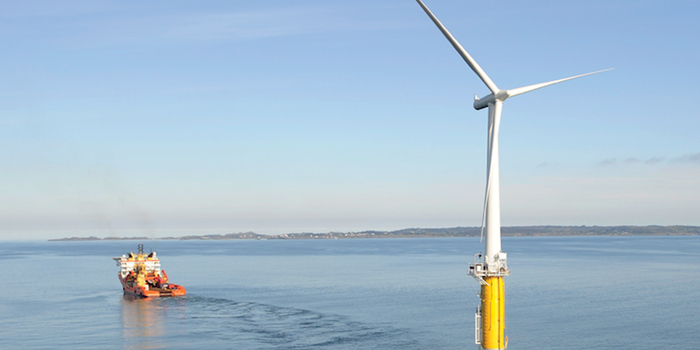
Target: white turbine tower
(490, 316)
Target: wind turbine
(489, 272)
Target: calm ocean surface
(563, 293)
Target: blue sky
(171, 117)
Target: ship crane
(490, 268)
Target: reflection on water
(143, 327)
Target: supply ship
(141, 276)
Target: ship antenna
(141, 249)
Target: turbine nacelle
(481, 103)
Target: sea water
(563, 293)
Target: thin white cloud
(608, 162)
(693, 158)
(120, 27)
(50, 8)
(547, 165)
(218, 26)
(654, 160)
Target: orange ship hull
(169, 290)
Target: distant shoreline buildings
(512, 231)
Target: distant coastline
(511, 231)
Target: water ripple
(200, 321)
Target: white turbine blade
(489, 167)
(488, 181)
(462, 52)
(522, 90)
(483, 213)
